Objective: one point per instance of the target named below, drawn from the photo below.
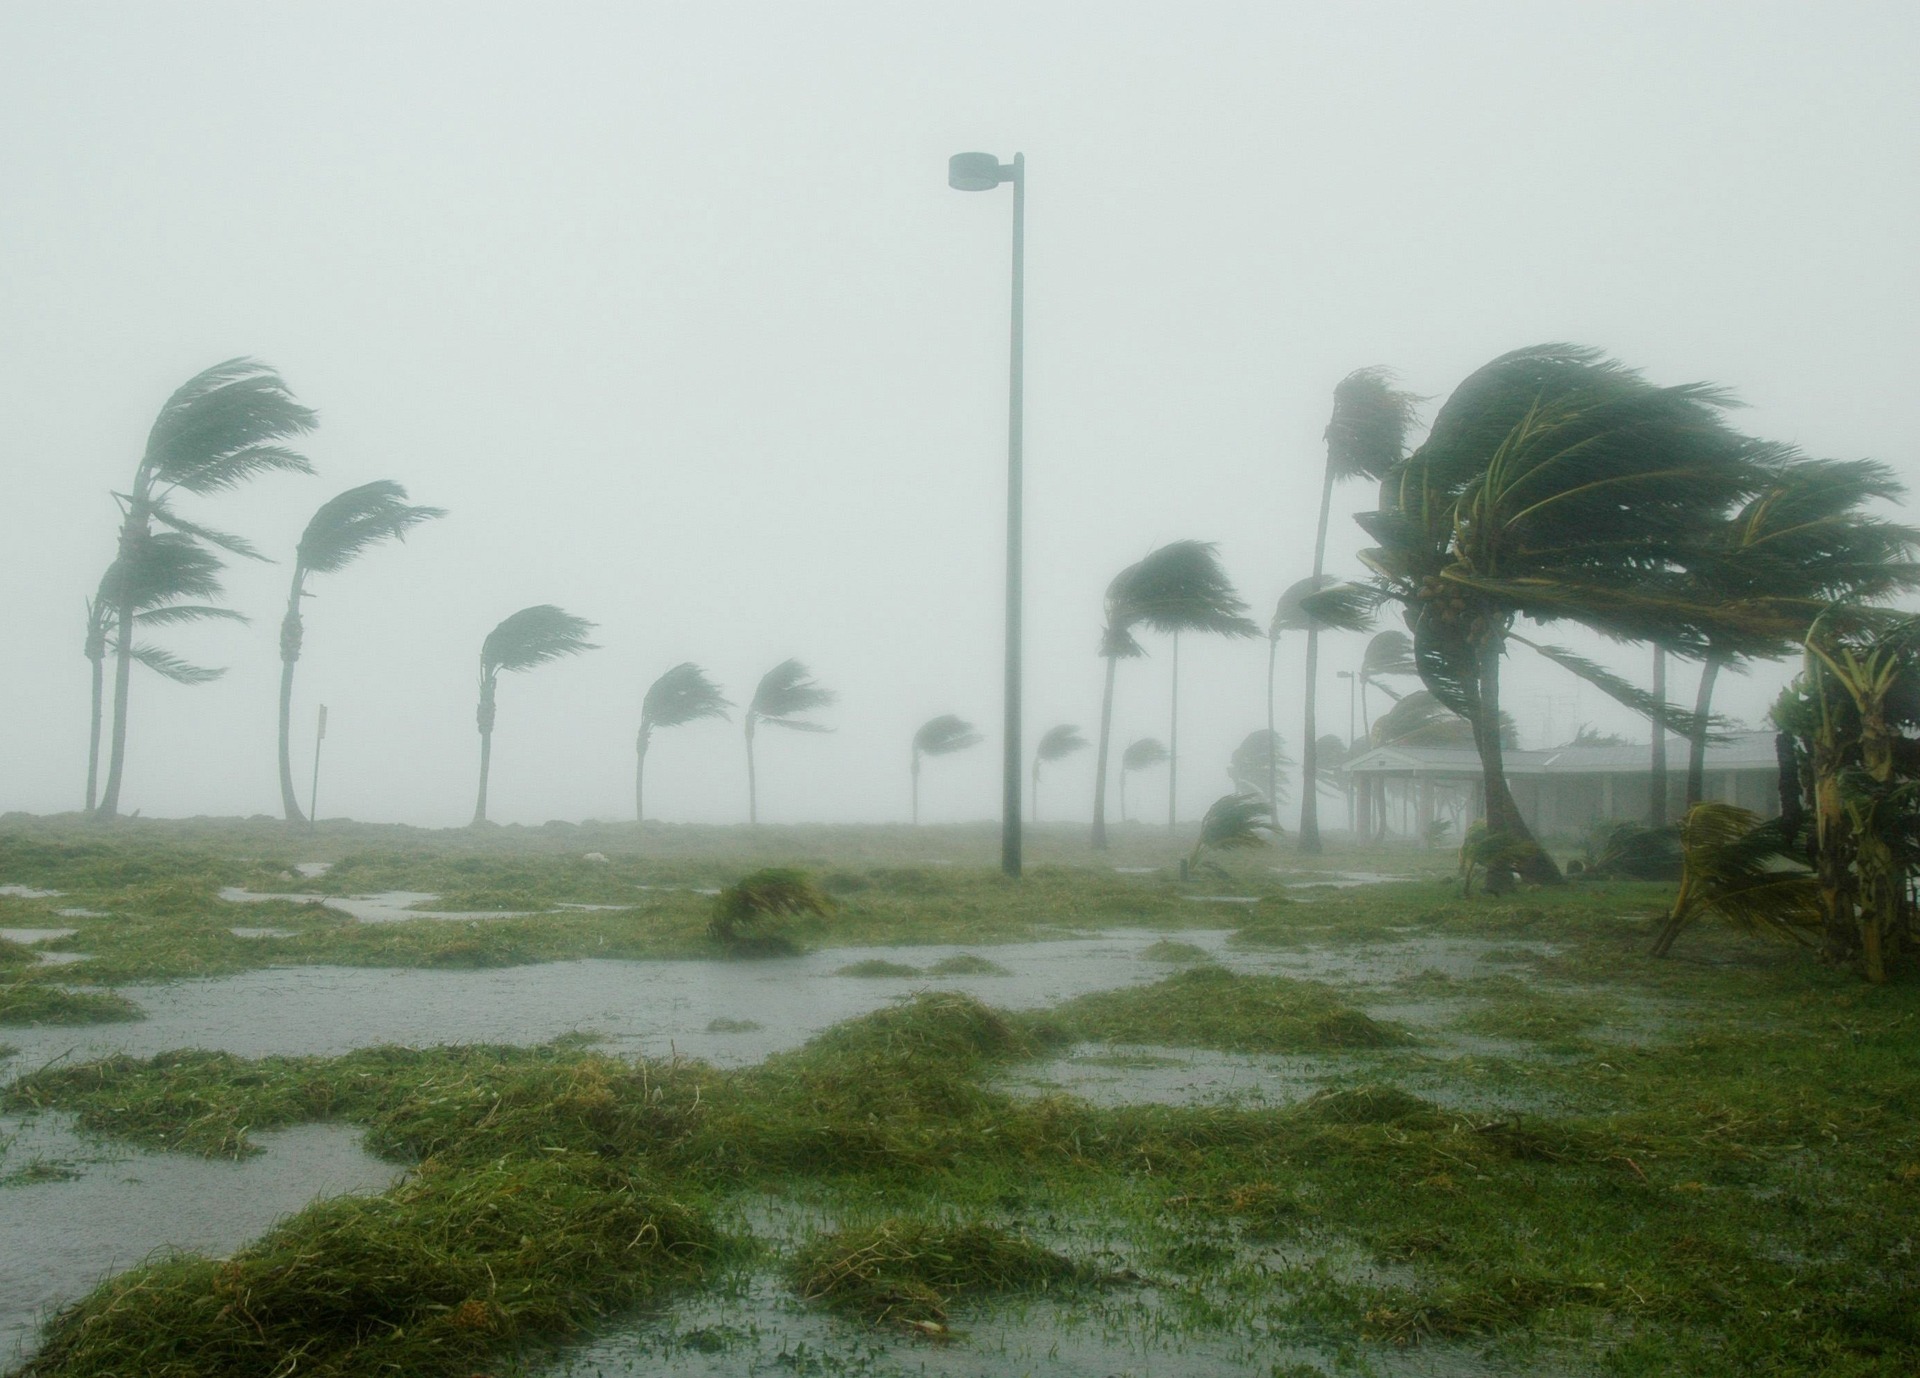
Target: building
(1564, 790)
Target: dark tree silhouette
(1058, 744)
(682, 695)
(783, 694)
(941, 736)
(533, 636)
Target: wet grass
(24, 1004)
(1211, 1007)
(912, 1272)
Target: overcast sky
(672, 307)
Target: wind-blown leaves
(534, 636)
(171, 666)
(1178, 588)
(1144, 754)
(1624, 692)
(217, 429)
(1734, 865)
(1260, 757)
(786, 692)
(683, 694)
(944, 735)
(1388, 653)
(1060, 742)
(1322, 603)
(1234, 821)
(1367, 434)
(225, 540)
(347, 524)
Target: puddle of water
(27, 892)
(1136, 870)
(1222, 899)
(35, 935)
(261, 932)
(389, 906)
(1337, 880)
(74, 1211)
(1136, 1074)
(63, 959)
(81, 913)
(310, 869)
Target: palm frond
(1388, 653)
(1367, 434)
(176, 613)
(1179, 587)
(683, 694)
(1743, 869)
(238, 545)
(1236, 820)
(1143, 754)
(218, 427)
(784, 693)
(533, 636)
(1322, 603)
(1260, 757)
(347, 524)
(1060, 742)
(1668, 716)
(168, 664)
(944, 735)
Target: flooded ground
(76, 1209)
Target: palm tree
(1144, 754)
(1366, 436)
(1179, 587)
(214, 433)
(1389, 653)
(783, 694)
(1232, 821)
(1312, 605)
(941, 736)
(169, 568)
(340, 531)
(1058, 744)
(1256, 764)
(682, 695)
(533, 636)
(1555, 484)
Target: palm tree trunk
(1697, 733)
(132, 531)
(1173, 737)
(1100, 761)
(483, 716)
(753, 784)
(640, 776)
(1123, 793)
(1503, 815)
(916, 789)
(1310, 750)
(1033, 792)
(1657, 783)
(1273, 739)
(99, 661)
(291, 633)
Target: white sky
(671, 305)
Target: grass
(1738, 1192)
(24, 1004)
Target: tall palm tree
(1388, 655)
(1179, 587)
(533, 636)
(682, 695)
(215, 432)
(941, 736)
(1312, 605)
(1144, 754)
(783, 694)
(1366, 436)
(1555, 484)
(341, 530)
(1058, 744)
(169, 569)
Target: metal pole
(313, 795)
(1016, 368)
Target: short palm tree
(1312, 605)
(340, 532)
(1232, 821)
(941, 736)
(1366, 436)
(1144, 754)
(1178, 587)
(784, 693)
(1058, 744)
(170, 568)
(533, 636)
(682, 695)
(215, 432)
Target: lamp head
(976, 172)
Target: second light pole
(983, 172)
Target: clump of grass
(27, 1003)
(966, 964)
(877, 967)
(1211, 1007)
(437, 1277)
(1370, 1105)
(1172, 950)
(725, 1025)
(14, 954)
(913, 1271)
(753, 917)
(1559, 1022)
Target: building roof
(1743, 751)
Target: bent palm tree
(1389, 653)
(1058, 744)
(682, 695)
(1366, 436)
(783, 694)
(1312, 605)
(941, 736)
(1144, 754)
(1179, 587)
(1232, 821)
(338, 534)
(1256, 764)
(169, 568)
(533, 636)
(214, 433)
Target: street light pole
(982, 172)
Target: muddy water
(74, 1210)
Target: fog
(672, 308)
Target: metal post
(313, 796)
(1016, 387)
